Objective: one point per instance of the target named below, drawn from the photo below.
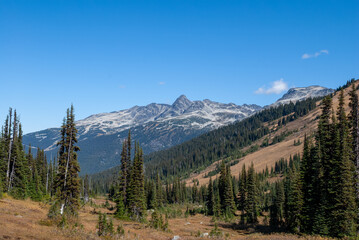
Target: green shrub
(104, 227)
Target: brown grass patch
(27, 220)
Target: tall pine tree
(344, 209)
(354, 128)
(251, 205)
(67, 179)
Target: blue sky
(105, 55)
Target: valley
(28, 220)
(179, 120)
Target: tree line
(23, 175)
(28, 175)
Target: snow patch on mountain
(301, 93)
(182, 112)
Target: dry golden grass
(27, 220)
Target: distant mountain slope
(155, 126)
(301, 93)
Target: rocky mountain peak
(182, 102)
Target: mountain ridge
(156, 126)
(300, 93)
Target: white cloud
(161, 83)
(276, 88)
(307, 55)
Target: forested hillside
(228, 141)
(22, 174)
(231, 142)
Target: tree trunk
(68, 158)
(9, 153)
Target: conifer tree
(277, 208)
(195, 197)
(230, 206)
(226, 191)
(210, 198)
(136, 196)
(129, 161)
(251, 206)
(123, 186)
(354, 128)
(293, 200)
(86, 189)
(217, 205)
(153, 197)
(67, 179)
(20, 173)
(222, 183)
(343, 215)
(8, 147)
(242, 189)
(322, 154)
(2, 161)
(309, 180)
(159, 191)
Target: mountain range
(155, 126)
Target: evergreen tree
(123, 186)
(153, 204)
(128, 159)
(324, 154)
(277, 208)
(309, 181)
(159, 191)
(343, 215)
(354, 127)
(195, 197)
(230, 206)
(222, 183)
(242, 189)
(217, 205)
(67, 180)
(86, 189)
(293, 200)
(2, 161)
(226, 191)
(210, 198)
(20, 173)
(251, 205)
(8, 147)
(136, 196)
(327, 176)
